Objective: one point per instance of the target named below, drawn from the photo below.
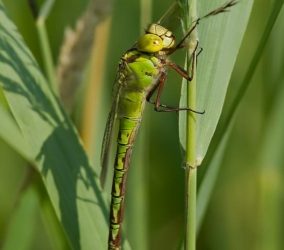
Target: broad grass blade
(46, 137)
(221, 38)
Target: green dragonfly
(142, 71)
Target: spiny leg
(199, 52)
(181, 44)
(165, 108)
(161, 82)
(150, 94)
(182, 71)
(161, 107)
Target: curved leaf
(45, 136)
(221, 38)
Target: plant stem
(191, 170)
(44, 43)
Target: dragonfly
(142, 71)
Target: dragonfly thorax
(157, 38)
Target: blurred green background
(245, 207)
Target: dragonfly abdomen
(128, 128)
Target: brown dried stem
(76, 50)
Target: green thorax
(138, 74)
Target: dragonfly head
(157, 38)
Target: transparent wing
(108, 133)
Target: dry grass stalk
(76, 50)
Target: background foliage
(246, 195)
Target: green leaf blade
(49, 140)
(221, 38)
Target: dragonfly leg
(182, 71)
(161, 107)
(159, 86)
(150, 94)
(165, 108)
(180, 44)
(199, 52)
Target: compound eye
(150, 43)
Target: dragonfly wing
(108, 134)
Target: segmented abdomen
(127, 132)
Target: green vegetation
(49, 182)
